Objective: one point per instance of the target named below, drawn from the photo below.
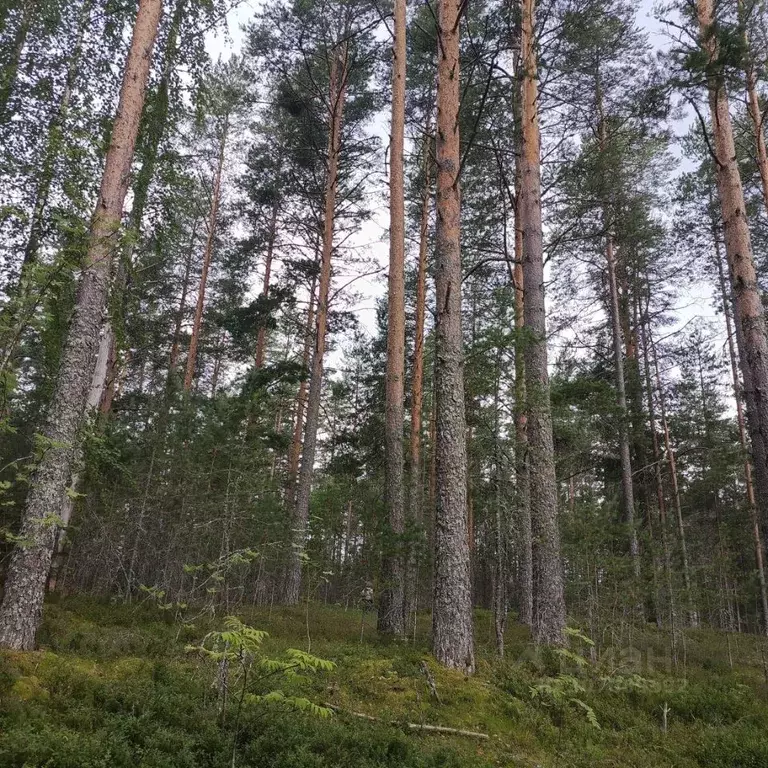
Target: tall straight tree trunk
(625, 453)
(657, 459)
(523, 496)
(693, 616)
(548, 596)
(22, 605)
(155, 131)
(500, 594)
(415, 484)
(207, 256)
(294, 456)
(337, 96)
(176, 341)
(627, 487)
(261, 341)
(749, 314)
(391, 617)
(737, 394)
(452, 606)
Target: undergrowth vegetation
(127, 685)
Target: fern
(239, 644)
(588, 711)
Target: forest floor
(117, 686)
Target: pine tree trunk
(207, 256)
(415, 486)
(625, 454)
(548, 597)
(22, 605)
(657, 459)
(523, 497)
(749, 314)
(173, 358)
(452, 606)
(627, 487)
(155, 131)
(391, 615)
(693, 616)
(261, 342)
(337, 95)
(500, 597)
(737, 394)
(294, 456)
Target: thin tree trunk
(207, 256)
(522, 483)
(261, 342)
(176, 342)
(294, 456)
(22, 605)
(625, 454)
(452, 606)
(657, 459)
(737, 393)
(337, 96)
(415, 486)
(218, 355)
(548, 596)
(391, 615)
(749, 314)
(500, 597)
(627, 487)
(693, 616)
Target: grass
(113, 686)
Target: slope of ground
(119, 686)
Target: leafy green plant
(240, 645)
(561, 692)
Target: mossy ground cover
(114, 686)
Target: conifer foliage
(414, 308)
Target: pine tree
(452, 606)
(548, 599)
(21, 609)
(751, 334)
(392, 598)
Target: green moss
(114, 687)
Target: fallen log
(412, 726)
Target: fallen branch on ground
(412, 726)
